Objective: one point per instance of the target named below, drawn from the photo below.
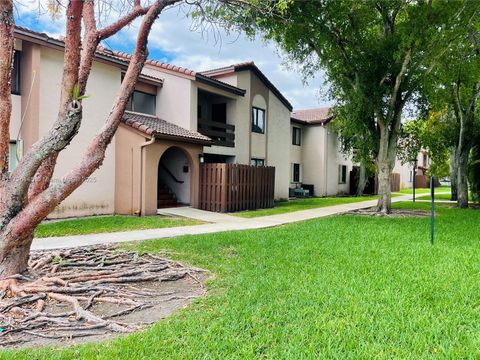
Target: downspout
(145, 144)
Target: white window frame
(340, 174)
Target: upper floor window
(342, 174)
(296, 135)
(258, 120)
(16, 73)
(141, 102)
(257, 162)
(12, 156)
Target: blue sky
(172, 40)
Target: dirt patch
(92, 293)
(396, 213)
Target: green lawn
(345, 287)
(282, 207)
(425, 191)
(440, 197)
(437, 197)
(101, 224)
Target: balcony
(214, 116)
(221, 134)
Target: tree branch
(64, 129)
(7, 26)
(26, 221)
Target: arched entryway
(174, 178)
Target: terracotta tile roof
(312, 116)
(122, 56)
(249, 65)
(156, 127)
(112, 54)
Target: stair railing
(171, 174)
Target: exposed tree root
(77, 280)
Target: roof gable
(250, 66)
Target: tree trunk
(454, 174)
(462, 179)
(362, 180)
(14, 258)
(384, 186)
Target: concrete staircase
(166, 197)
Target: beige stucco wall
(272, 146)
(277, 148)
(151, 157)
(258, 147)
(127, 170)
(296, 151)
(96, 195)
(321, 157)
(176, 100)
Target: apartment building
(317, 162)
(177, 118)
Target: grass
(282, 207)
(425, 191)
(440, 197)
(101, 224)
(437, 197)
(345, 287)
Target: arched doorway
(174, 178)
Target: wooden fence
(395, 182)
(233, 187)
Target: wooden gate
(233, 187)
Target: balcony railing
(221, 134)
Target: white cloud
(172, 35)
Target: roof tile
(154, 126)
(313, 116)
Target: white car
(445, 182)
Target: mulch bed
(91, 293)
(394, 214)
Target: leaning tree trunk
(362, 180)
(462, 179)
(454, 174)
(16, 232)
(14, 258)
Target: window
(16, 74)
(258, 120)
(296, 135)
(342, 174)
(12, 156)
(141, 102)
(296, 173)
(410, 177)
(257, 162)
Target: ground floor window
(410, 178)
(342, 174)
(296, 173)
(257, 162)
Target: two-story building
(317, 162)
(177, 118)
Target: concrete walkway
(217, 222)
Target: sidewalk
(217, 223)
